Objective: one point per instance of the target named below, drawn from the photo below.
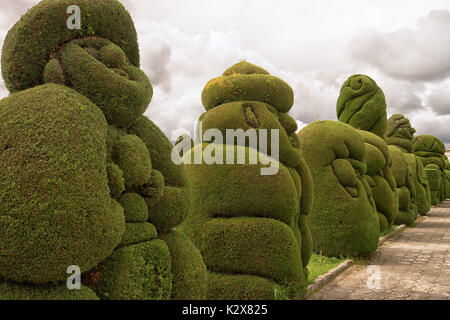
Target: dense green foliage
(344, 221)
(362, 105)
(137, 272)
(246, 82)
(430, 150)
(400, 134)
(407, 210)
(250, 228)
(380, 178)
(43, 28)
(16, 291)
(55, 208)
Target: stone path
(415, 265)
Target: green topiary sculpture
(430, 150)
(344, 220)
(100, 177)
(250, 228)
(407, 210)
(447, 173)
(400, 134)
(362, 105)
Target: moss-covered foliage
(19, 291)
(447, 174)
(55, 208)
(247, 82)
(75, 190)
(407, 210)
(250, 228)
(344, 219)
(43, 28)
(431, 150)
(381, 179)
(400, 134)
(362, 105)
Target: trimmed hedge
(22, 291)
(55, 207)
(407, 211)
(190, 279)
(380, 178)
(252, 85)
(343, 220)
(43, 28)
(362, 105)
(137, 272)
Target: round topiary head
(362, 105)
(43, 29)
(247, 82)
(428, 144)
(400, 132)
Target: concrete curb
(333, 273)
(330, 275)
(392, 234)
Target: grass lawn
(389, 230)
(319, 265)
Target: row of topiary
(86, 180)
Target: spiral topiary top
(362, 105)
(247, 82)
(428, 145)
(400, 132)
(43, 29)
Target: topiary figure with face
(430, 150)
(362, 105)
(100, 65)
(344, 220)
(250, 228)
(400, 134)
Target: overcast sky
(404, 45)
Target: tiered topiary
(344, 221)
(250, 228)
(79, 189)
(400, 134)
(362, 105)
(430, 150)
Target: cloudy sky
(313, 45)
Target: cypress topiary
(74, 214)
(250, 228)
(362, 105)
(430, 151)
(407, 211)
(400, 134)
(344, 220)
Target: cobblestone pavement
(414, 265)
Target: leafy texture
(250, 228)
(400, 134)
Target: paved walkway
(415, 265)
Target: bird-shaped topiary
(250, 227)
(102, 192)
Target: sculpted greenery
(362, 105)
(258, 222)
(400, 134)
(430, 150)
(102, 192)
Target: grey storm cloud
(415, 54)
(157, 64)
(439, 101)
